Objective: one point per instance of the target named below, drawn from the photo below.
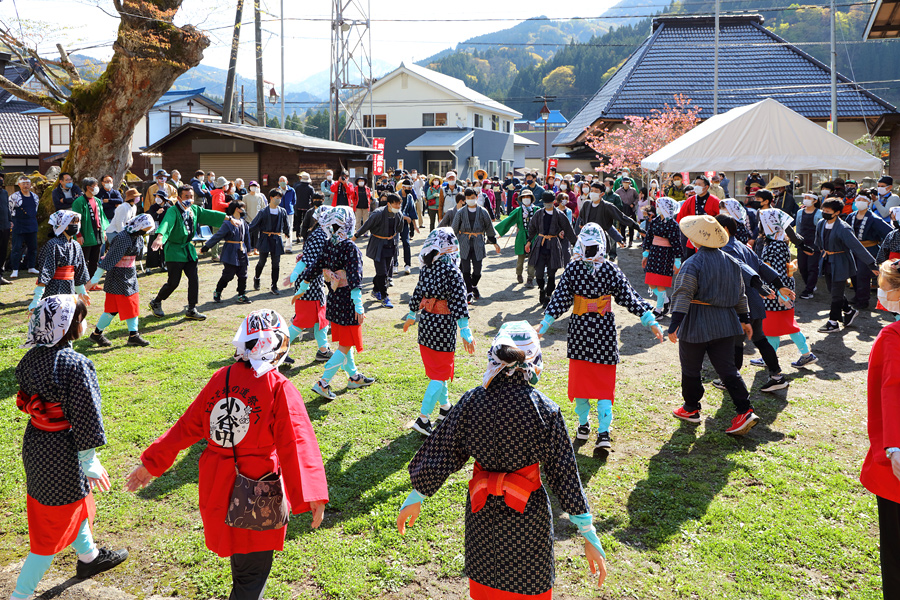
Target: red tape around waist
(46, 416)
(67, 273)
(515, 487)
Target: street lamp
(545, 115)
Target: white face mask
(95, 190)
(808, 202)
(585, 190)
(107, 186)
(526, 201)
(187, 202)
(451, 182)
(595, 196)
(889, 305)
(282, 184)
(394, 210)
(563, 186)
(253, 189)
(698, 189)
(158, 200)
(470, 202)
(477, 188)
(882, 190)
(160, 182)
(861, 205)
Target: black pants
(384, 268)
(546, 277)
(276, 266)
(471, 271)
(809, 270)
(92, 258)
(433, 216)
(155, 258)
(175, 269)
(404, 240)
(228, 273)
(889, 527)
(29, 241)
(249, 573)
(759, 339)
(488, 207)
(862, 284)
(299, 214)
(4, 245)
(721, 355)
(839, 304)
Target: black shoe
(543, 298)
(156, 309)
(603, 440)
(476, 293)
(243, 299)
(217, 297)
(256, 283)
(98, 338)
(288, 360)
(273, 290)
(529, 283)
(324, 356)
(444, 412)
(850, 316)
(829, 327)
(717, 383)
(194, 315)
(519, 278)
(583, 432)
(470, 298)
(135, 339)
(423, 426)
(806, 296)
(775, 384)
(106, 560)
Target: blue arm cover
(90, 464)
(301, 266)
(79, 289)
(356, 296)
(415, 497)
(646, 253)
(97, 275)
(304, 285)
(412, 316)
(648, 319)
(677, 263)
(38, 294)
(546, 322)
(586, 528)
(464, 330)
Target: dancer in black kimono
(271, 223)
(62, 268)
(544, 246)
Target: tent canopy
(765, 135)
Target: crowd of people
(719, 269)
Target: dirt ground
(842, 356)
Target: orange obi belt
(601, 305)
(64, 273)
(46, 416)
(661, 241)
(126, 262)
(515, 487)
(434, 306)
(336, 279)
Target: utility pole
(834, 113)
(232, 63)
(545, 115)
(351, 71)
(242, 105)
(282, 64)
(260, 98)
(716, 65)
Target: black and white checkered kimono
(661, 260)
(442, 281)
(60, 252)
(890, 245)
(122, 281)
(777, 255)
(592, 337)
(313, 255)
(343, 256)
(53, 474)
(505, 428)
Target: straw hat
(480, 172)
(304, 177)
(577, 170)
(433, 177)
(776, 182)
(704, 230)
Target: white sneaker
(407, 269)
(14, 275)
(33, 271)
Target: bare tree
(150, 53)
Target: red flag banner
(378, 156)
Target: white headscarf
(666, 207)
(736, 211)
(319, 212)
(521, 335)
(61, 219)
(774, 221)
(341, 216)
(895, 212)
(591, 235)
(270, 331)
(139, 223)
(444, 241)
(50, 320)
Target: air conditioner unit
(474, 163)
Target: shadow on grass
(186, 471)
(57, 590)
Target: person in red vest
(343, 192)
(701, 203)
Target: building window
(495, 123)
(507, 167)
(60, 135)
(507, 126)
(434, 119)
(479, 121)
(175, 121)
(380, 121)
(438, 167)
(493, 168)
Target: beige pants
(520, 266)
(419, 210)
(361, 215)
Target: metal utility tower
(351, 72)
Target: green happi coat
(175, 235)
(516, 218)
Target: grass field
(683, 511)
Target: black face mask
(72, 229)
(317, 203)
(755, 204)
(829, 217)
(242, 213)
(591, 251)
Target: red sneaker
(743, 423)
(690, 417)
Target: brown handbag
(256, 504)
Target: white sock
(90, 556)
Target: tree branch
(33, 97)
(67, 65)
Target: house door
(438, 167)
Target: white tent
(766, 135)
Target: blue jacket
(232, 254)
(5, 223)
(60, 202)
(288, 200)
(875, 230)
(408, 209)
(751, 266)
(202, 197)
(849, 254)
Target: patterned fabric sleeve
(564, 294)
(890, 244)
(77, 376)
(415, 299)
(456, 293)
(560, 469)
(313, 250)
(648, 239)
(81, 273)
(120, 246)
(443, 453)
(626, 295)
(47, 262)
(354, 266)
(675, 240)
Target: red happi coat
(273, 432)
(884, 414)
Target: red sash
(64, 273)
(515, 487)
(126, 262)
(46, 416)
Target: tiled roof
(754, 64)
(18, 132)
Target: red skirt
(438, 365)
(128, 307)
(780, 322)
(347, 335)
(658, 280)
(52, 528)
(308, 313)
(478, 591)
(591, 380)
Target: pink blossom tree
(640, 137)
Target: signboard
(551, 164)
(378, 156)
(399, 164)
